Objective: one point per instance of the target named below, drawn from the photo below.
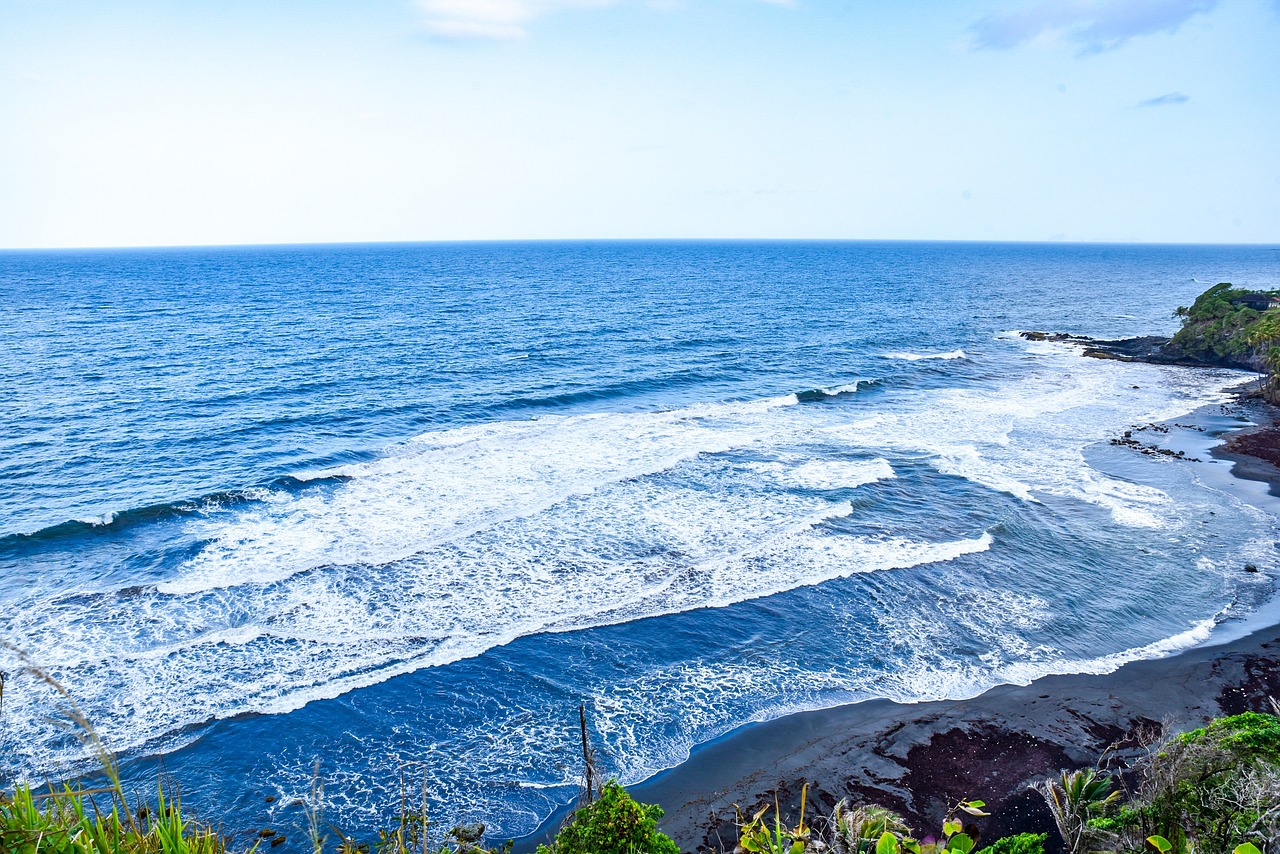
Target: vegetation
(1219, 328)
(1075, 799)
(1214, 789)
(867, 829)
(613, 824)
(68, 821)
(1022, 843)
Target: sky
(184, 122)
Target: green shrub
(1249, 737)
(1023, 843)
(614, 824)
(67, 821)
(1213, 789)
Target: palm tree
(1073, 799)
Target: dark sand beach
(920, 758)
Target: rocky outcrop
(1148, 348)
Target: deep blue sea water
(399, 509)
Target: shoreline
(919, 758)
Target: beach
(922, 758)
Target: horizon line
(551, 240)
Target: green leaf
(1161, 844)
(972, 808)
(961, 842)
(951, 826)
(887, 844)
(1246, 848)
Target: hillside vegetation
(1220, 329)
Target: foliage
(872, 830)
(1216, 328)
(70, 821)
(1213, 789)
(1215, 786)
(850, 826)
(758, 837)
(1022, 843)
(1075, 798)
(613, 824)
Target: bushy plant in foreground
(1213, 790)
(613, 824)
(874, 830)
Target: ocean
(389, 513)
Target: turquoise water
(401, 508)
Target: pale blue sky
(196, 122)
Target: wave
(428, 613)
(119, 521)
(916, 357)
(829, 474)
(821, 395)
(610, 391)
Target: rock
(1248, 567)
(279, 840)
(470, 833)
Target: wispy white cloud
(510, 19)
(1096, 25)
(492, 19)
(1171, 98)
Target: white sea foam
(100, 521)
(916, 357)
(828, 474)
(425, 492)
(836, 391)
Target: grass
(95, 821)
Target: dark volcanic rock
(1156, 349)
(1149, 348)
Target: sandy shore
(920, 758)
